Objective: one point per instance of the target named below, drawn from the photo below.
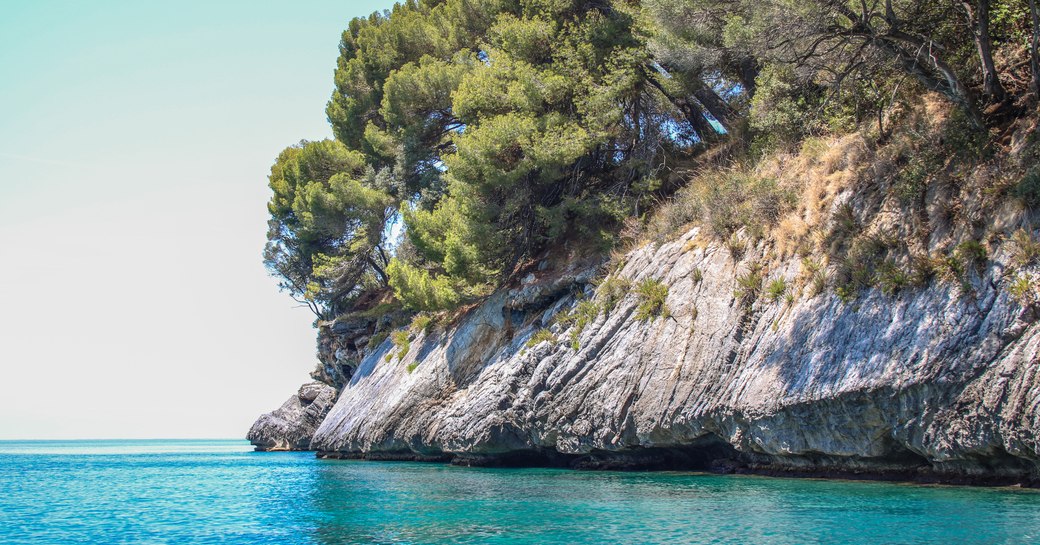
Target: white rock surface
(931, 382)
(291, 426)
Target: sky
(135, 143)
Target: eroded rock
(291, 426)
(934, 383)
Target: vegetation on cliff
(489, 130)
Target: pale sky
(135, 143)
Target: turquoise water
(182, 492)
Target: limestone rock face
(291, 426)
(937, 382)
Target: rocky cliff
(935, 383)
(291, 426)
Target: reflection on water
(368, 502)
(185, 492)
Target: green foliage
(493, 129)
(540, 336)
(811, 266)
(844, 226)
(1028, 189)
(961, 140)
(612, 290)
(912, 180)
(419, 289)
(412, 366)
(817, 283)
(970, 252)
(652, 294)
(783, 108)
(325, 233)
(583, 314)
(402, 342)
(376, 311)
(859, 268)
(727, 200)
(697, 275)
(736, 246)
(1023, 288)
(1024, 249)
(776, 290)
(749, 285)
(955, 266)
(421, 323)
(890, 278)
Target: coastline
(922, 475)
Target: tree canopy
(489, 129)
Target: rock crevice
(936, 383)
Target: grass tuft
(652, 295)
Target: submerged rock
(291, 426)
(936, 383)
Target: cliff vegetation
(474, 135)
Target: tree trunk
(916, 55)
(947, 83)
(693, 112)
(749, 70)
(716, 106)
(978, 20)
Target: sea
(210, 491)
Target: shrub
(811, 266)
(1028, 189)
(857, 270)
(583, 314)
(726, 200)
(420, 290)
(845, 220)
(923, 268)
(846, 293)
(962, 139)
(421, 322)
(1024, 250)
(377, 311)
(912, 180)
(954, 266)
(818, 283)
(970, 252)
(844, 226)
(652, 295)
(736, 246)
(612, 290)
(401, 342)
(783, 108)
(948, 267)
(891, 278)
(1023, 289)
(540, 336)
(776, 289)
(411, 366)
(749, 284)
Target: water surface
(181, 492)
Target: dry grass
(924, 187)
